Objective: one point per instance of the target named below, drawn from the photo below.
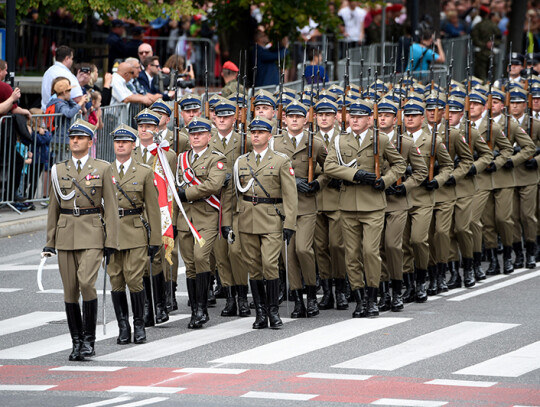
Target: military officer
(190, 107)
(201, 174)
(162, 108)
(267, 209)
(136, 195)
(301, 267)
(362, 200)
(265, 105)
(83, 230)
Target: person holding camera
(423, 53)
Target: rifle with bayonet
(468, 122)
(252, 104)
(325, 66)
(343, 106)
(507, 96)
(206, 100)
(447, 107)
(176, 112)
(238, 108)
(303, 74)
(399, 126)
(243, 115)
(347, 86)
(311, 132)
(362, 78)
(376, 135)
(432, 151)
(368, 83)
(280, 94)
(489, 115)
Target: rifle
(176, 115)
(399, 127)
(310, 133)
(362, 78)
(489, 133)
(507, 95)
(252, 104)
(468, 121)
(447, 108)
(434, 140)
(325, 67)
(206, 102)
(280, 96)
(376, 136)
(318, 72)
(243, 132)
(236, 123)
(343, 106)
(368, 82)
(529, 103)
(303, 74)
(347, 70)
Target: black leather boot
(243, 305)
(455, 277)
(282, 286)
(341, 299)
(174, 302)
(90, 309)
(218, 291)
(410, 290)
(530, 261)
(230, 306)
(119, 300)
(312, 306)
(441, 278)
(385, 303)
(494, 268)
(259, 298)
(74, 320)
(348, 294)
(327, 300)
(397, 302)
(159, 298)
(168, 295)
(468, 275)
(519, 261)
(479, 273)
(148, 305)
(372, 309)
(192, 295)
(421, 295)
(432, 288)
(211, 298)
(202, 281)
(272, 306)
(299, 310)
(538, 248)
(137, 306)
(359, 296)
(508, 266)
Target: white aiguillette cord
(338, 151)
(57, 189)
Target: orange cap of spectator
(230, 66)
(62, 86)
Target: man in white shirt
(353, 18)
(120, 91)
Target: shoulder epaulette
(101, 161)
(282, 154)
(218, 153)
(143, 165)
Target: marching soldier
(395, 217)
(265, 106)
(267, 206)
(201, 174)
(190, 107)
(138, 238)
(83, 230)
(231, 266)
(162, 108)
(301, 267)
(362, 200)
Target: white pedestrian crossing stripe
(426, 346)
(29, 321)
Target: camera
(85, 69)
(185, 83)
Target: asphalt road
(478, 347)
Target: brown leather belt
(257, 200)
(125, 212)
(80, 211)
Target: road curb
(15, 227)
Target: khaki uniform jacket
(421, 196)
(230, 89)
(276, 174)
(69, 232)
(327, 198)
(307, 203)
(503, 177)
(138, 184)
(183, 141)
(359, 197)
(411, 154)
(210, 168)
(518, 136)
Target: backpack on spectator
(49, 121)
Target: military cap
(371, 95)
(399, 90)
(286, 99)
(354, 88)
(379, 86)
(477, 97)
(361, 108)
(419, 88)
(199, 125)
(240, 100)
(328, 95)
(432, 101)
(147, 116)
(225, 108)
(213, 100)
(289, 92)
(498, 94)
(414, 107)
(262, 97)
(386, 105)
(518, 96)
(124, 132)
(306, 99)
(159, 106)
(336, 89)
(476, 81)
(533, 58)
(516, 58)
(326, 106)
(348, 102)
(416, 96)
(190, 101)
(260, 123)
(296, 107)
(392, 97)
(456, 104)
(458, 92)
(82, 128)
(484, 90)
(535, 90)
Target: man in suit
(362, 200)
(267, 207)
(201, 173)
(83, 230)
(137, 198)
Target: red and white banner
(191, 179)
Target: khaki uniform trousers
(261, 253)
(460, 233)
(477, 210)
(328, 243)
(301, 255)
(127, 268)
(196, 258)
(158, 264)
(497, 217)
(392, 245)
(362, 233)
(415, 238)
(524, 213)
(439, 234)
(230, 264)
(79, 271)
(171, 274)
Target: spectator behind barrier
(120, 91)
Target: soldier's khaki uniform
(230, 89)
(183, 140)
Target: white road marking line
(425, 346)
(410, 403)
(335, 376)
(451, 292)
(494, 287)
(25, 387)
(512, 364)
(107, 402)
(147, 389)
(88, 368)
(146, 402)
(29, 321)
(24, 267)
(183, 342)
(279, 396)
(462, 383)
(310, 341)
(63, 342)
(211, 370)
(9, 290)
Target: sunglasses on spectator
(157, 66)
(144, 52)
